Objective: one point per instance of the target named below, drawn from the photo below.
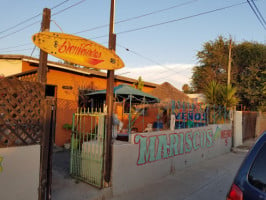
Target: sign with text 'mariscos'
(77, 50)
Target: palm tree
(212, 92)
(221, 97)
(228, 96)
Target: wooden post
(229, 63)
(42, 70)
(109, 99)
(45, 154)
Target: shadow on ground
(64, 187)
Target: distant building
(167, 92)
(197, 98)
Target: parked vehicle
(250, 180)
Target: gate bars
(87, 147)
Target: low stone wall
(151, 156)
(19, 172)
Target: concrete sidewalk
(210, 179)
(64, 187)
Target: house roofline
(67, 67)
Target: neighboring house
(64, 83)
(197, 98)
(167, 92)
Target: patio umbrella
(127, 92)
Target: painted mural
(157, 147)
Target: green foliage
(218, 94)
(212, 93)
(186, 89)
(228, 96)
(139, 84)
(250, 58)
(248, 73)
(67, 126)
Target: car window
(257, 173)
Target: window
(257, 173)
(50, 91)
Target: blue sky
(159, 53)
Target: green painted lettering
(146, 151)
(209, 138)
(188, 145)
(173, 145)
(195, 146)
(162, 147)
(181, 143)
(203, 138)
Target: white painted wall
(238, 134)
(127, 175)
(19, 177)
(10, 67)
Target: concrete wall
(19, 172)
(150, 156)
(238, 134)
(10, 67)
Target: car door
(255, 184)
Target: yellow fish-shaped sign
(77, 50)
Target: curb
(239, 150)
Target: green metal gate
(87, 147)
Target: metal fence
(87, 147)
(155, 117)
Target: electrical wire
(138, 17)
(63, 10)
(11, 47)
(155, 62)
(31, 18)
(174, 20)
(73, 5)
(18, 50)
(19, 30)
(254, 11)
(146, 58)
(258, 11)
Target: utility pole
(229, 62)
(42, 70)
(45, 151)
(109, 99)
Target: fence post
(44, 188)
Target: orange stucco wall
(67, 99)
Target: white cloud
(176, 74)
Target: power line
(155, 62)
(11, 47)
(73, 5)
(25, 27)
(19, 50)
(174, 20)
(254, 11)
(31, 18)
(60, 4)
(258, 11)
(145, 57)
(138, 17)
(19, 30)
